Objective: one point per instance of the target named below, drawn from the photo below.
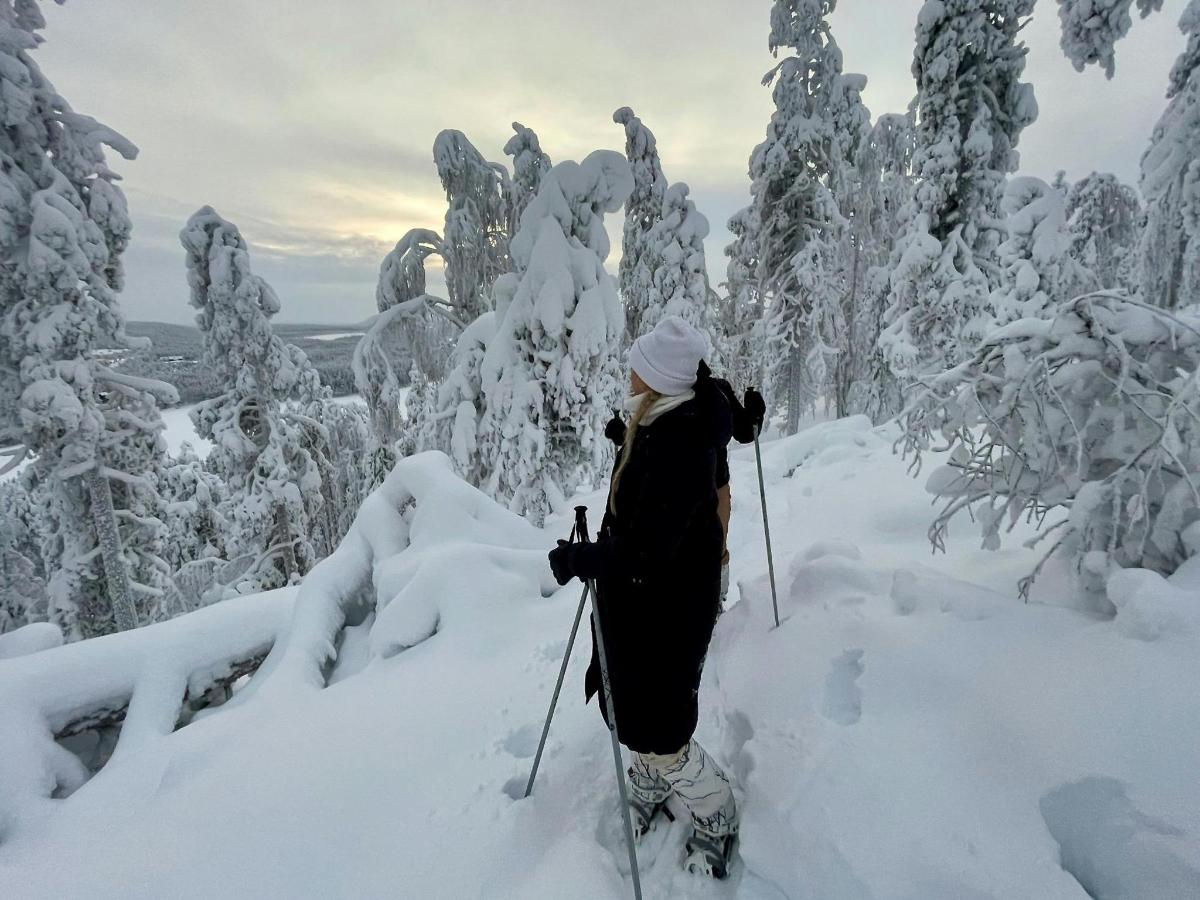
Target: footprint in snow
(523, 742)
(843, 698)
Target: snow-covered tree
(1170, 249)
(337, 435)
(1085, 422)
(273, 480)
(1104, 218)
(529, 165)
(22, 579)
(550, 375)
(794, 217)
(1090, 28)
(194, 497)
(460, 401)
(1038, 271)
(475, 238)
(884, 190)
(674, 252)
(741, 315)
(972, 108)
(63, 227)
(643, 210)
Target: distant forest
(175, 356)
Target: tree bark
(795, 391)
(116, 575)
(283, 539)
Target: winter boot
(709, 854)
(648, 794)
(645, 813)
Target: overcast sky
(313, 129)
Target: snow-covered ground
(912, 730)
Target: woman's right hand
(615, 429)
(561, 562)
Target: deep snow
(911, 731)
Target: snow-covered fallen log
(141, 677)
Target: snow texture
(1017, 780)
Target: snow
(912, 730)
(32, 638)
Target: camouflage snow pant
(695, 778)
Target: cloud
(312, 127)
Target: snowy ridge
(912, 730)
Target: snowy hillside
(912, 730)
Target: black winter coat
(657, 565)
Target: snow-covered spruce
(262, 447)
(741, 314)
(93, 434)
(475, 237)
(1105, 220)
(1091, 28)
(788, 239)
(1170, 250)
(550, 375)
(411, 323)
(1085, 422)
(972, 107)
(460, 403)
(643, 210)
(22, 578)
(865, 383)
(674, 251)
(529, 165)
(1037, 270)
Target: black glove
(756, 408)
(615, 429)
(561, 562)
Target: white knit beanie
(667, 357)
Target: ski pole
(562, 674)
(762, 493)
(610, 715)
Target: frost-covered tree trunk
(115, 573)
(972, 107)
(550, 376)
(643, 210)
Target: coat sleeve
(679, 480)
(743, 426)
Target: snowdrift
(912, 730)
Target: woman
(657, 567)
